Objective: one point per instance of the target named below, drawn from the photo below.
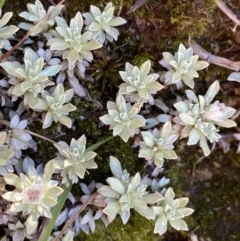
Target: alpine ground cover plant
(37, 190)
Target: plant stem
(213, 59)
(228, 12)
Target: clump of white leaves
(123, 118)
(102, 24)
(138, 84)
(182, 67)
(200, 117)
(157, 145)
(172, 211)
(30, 79)
(55, 106)
(71, 52)
(34, 194)
(125, 193)
(74, 160)
(35, 14)
(71, 44)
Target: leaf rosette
(102, 24)
(158, 145)
(182, 67)
(71, 43)
(200, 117)
(74, 160)
(121, 196)
(123, 118)
(138, 84)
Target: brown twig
(229, 13)
(28, 33)
(52, 2)
(195, 164)
(213, 59)
(68, 223)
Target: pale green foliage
(36, 13)
(200, 117)
(6, 31)
(183, 66)
(139, 85)
(172, 211)
(124, 193)
(123, 118)
(29, 79)
(102, 24)
(157, 145)
(71, 43)
(56, 108)
(5, 155)
(74, 160)
(34, 194)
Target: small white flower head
(35, 14)
(34, 194)
(158, 145)
(171, 211)
(71, 43)
(200, 117)
(102, 24)
(123, 118)
(6, 31)
(183, 66)
(138, 84)
(74, 160)
(122, 196)
(56, 108)
(17, 138)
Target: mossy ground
(214, 188)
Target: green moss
(215, 198)
(137, 229)
(189, 18)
